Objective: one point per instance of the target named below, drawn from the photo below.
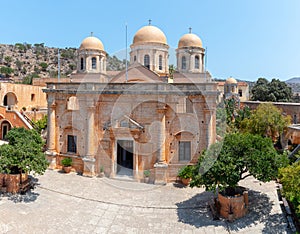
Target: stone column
(161, 166)
(89, 159)
(51, 143)
(200, 63)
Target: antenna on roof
(150, 21)
(126, 66)
(190, 30)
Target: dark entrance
(124, 157)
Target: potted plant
(186, 173)
(22, 155)
(147, 176)
(67, 164)
(224, 164)
(101, 172)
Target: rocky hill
(23, 61)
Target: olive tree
(240, 155)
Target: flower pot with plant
(146, 176)
(67, 164)
(101, 175)
(186, 173)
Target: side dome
(91, 43)
(149, 33)
(231, 80)
(189, 40)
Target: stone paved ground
(69, 203)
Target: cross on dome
(150, 21)
(190, 30)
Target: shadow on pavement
(259, 213)
(27, 197)
(195, 211)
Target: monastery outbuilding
(142, 118)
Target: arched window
(94, 63)
(196, 62)
(160, 62)
(147, 61)
(134, 58)
(81, 64)
(183, 62)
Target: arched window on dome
(94, 63)
(196, 62)
(183, 62)
(147, 61)
(160, 62)
(81, 64)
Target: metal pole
(126, 66)
(58, 72)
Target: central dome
(189, 40)
(91, 43)
(231, 80)
(149, 33)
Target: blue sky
(245, 39)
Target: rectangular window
(188, 106)
(240, 93)
(72, 144)
(184, 150)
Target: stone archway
(10, 100)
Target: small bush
(66, 162)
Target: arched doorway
(10, 100)
(5, 127)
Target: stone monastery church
(142, 118)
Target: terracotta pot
(67, 169)
(2, 180)
(146, 180)
(186, 181)
(232, 207)
(101, 174)
(12, 182)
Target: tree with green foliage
(6, 71)
(266, 121)
(224, 164)
(19, 64)
(290, 180)
(23, 153)
(8, 60)
(21, 47)
(41, 124)
(229, 116)
(44, 66)
(274, 91)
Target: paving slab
(70, 203)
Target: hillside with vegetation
(22, 61)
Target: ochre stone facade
(133, 121)
(19, 104)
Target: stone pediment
(137, 73)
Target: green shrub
(66, 162)
(290, 179)
(186, 172)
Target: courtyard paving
(69, 203)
